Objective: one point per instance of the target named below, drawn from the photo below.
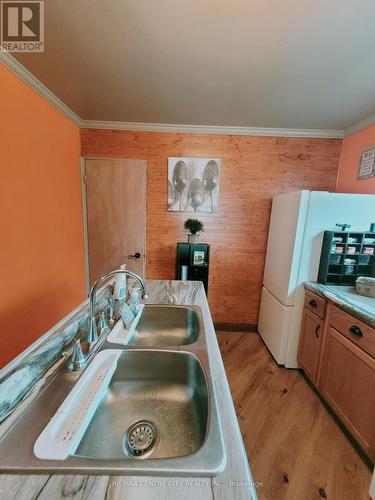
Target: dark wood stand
(193, 260)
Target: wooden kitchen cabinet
(348, 385)
(315, 304)
(337, 353)
(358, 332)
(310, 344)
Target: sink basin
(161, 326)
(156, 406)
(147, 408)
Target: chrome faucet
(92, 336)
(78, 359)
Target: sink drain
(140, 438)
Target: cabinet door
(348, 385)
(310, 342)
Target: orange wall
(352, 148)
(41, 251)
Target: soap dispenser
(120, 288)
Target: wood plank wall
(254, 169)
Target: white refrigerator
(298, 221)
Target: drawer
(316, 304)
(358, 332)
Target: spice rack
(346, 256)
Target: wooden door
(116, 215)
(310, 344)
(348, 385)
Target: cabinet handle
(317, 331)
(356, 331)
(313, 303)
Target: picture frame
(199, 258)
(193, 184)
(367, 164)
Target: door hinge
(84, 179)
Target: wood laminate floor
(296, 449)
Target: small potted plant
(195, 226)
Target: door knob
(137, 255)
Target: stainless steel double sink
(161, 326)
(158, 415)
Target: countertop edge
(341, 300)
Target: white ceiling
(246, 63)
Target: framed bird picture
(193, 184)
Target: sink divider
(120, 334)
(62, 435)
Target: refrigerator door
(295, 328)
(285, 245)
(324, 211)
(274, 325)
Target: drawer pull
(355, 331)
(317, 331)
(313, 303)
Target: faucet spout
(92, 336)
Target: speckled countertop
(346, 297)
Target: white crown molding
(207, 129)
(370, 120)
(13, 65)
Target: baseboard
(236, 327)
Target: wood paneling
(296, 449)
(254, 169)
